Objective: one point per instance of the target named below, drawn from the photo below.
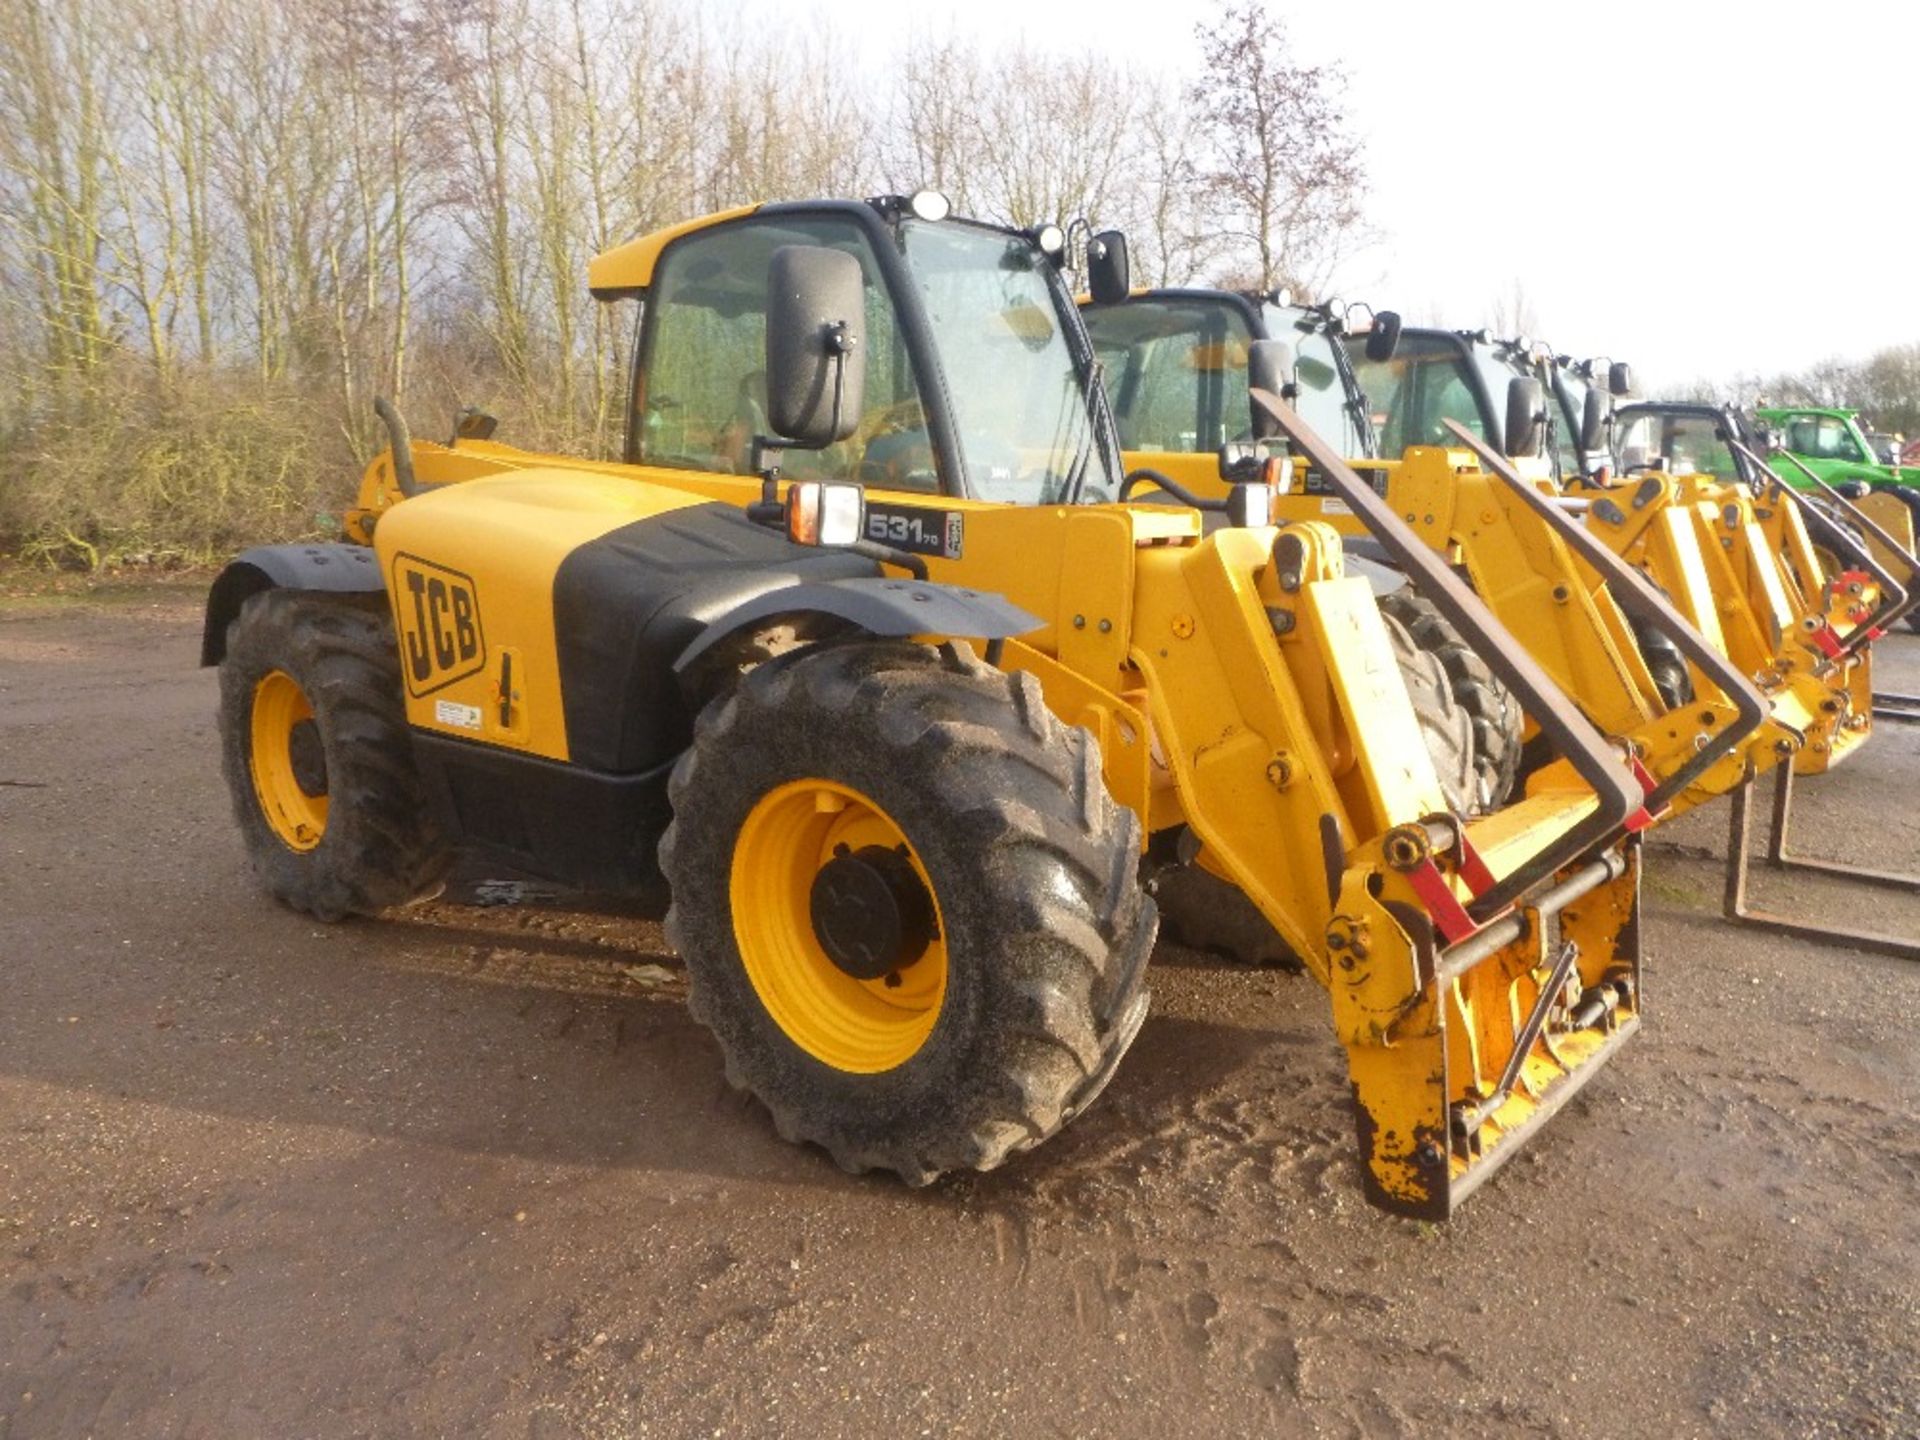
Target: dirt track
(473, 1171)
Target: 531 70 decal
(916, 530)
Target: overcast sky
(1703, 189)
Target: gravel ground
(471, 1170)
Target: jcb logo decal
(440, 636)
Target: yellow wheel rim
(858, 1026)
(295, 814)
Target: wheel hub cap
(288, 762)
(870, 912)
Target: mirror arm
(768, 452)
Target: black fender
(336, 569)
(879, 605)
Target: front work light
(824, 512)
(930, 205)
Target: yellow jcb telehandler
(1791, 587)
(861, 659)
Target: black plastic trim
(338, 569)
(879, 606)
(561, 822)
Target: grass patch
(130, 476)
(1678, 892)
(26, 588)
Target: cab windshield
(1425, 384)
(1019, 396)
(1323, 399)
(1685, 444)
(1176, 369)
(1499, 368)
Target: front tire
(319, 759)
(1498, 723)
(973, 1013)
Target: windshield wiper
(1358, 406)
(1099, 407)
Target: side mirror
(816, 358)
(1593, 421)
(1269, 368)
(472, 423)
(1526, 407)
(1109, 277)
(1620, 378)
(1384, 338)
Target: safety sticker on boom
(438, 611)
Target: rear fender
(334, 569)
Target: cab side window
(1833, 441)
(1694, 447)
(1821, 437)
(700, 391)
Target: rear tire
(1671, 679)
(319, 760)
(1497, 721)
(1202, 912)
(1039, 921)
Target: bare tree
(934, 137)
(1889, 390)
(1283, 170)
(225, 227)
(1512, 314)
(1173, 239)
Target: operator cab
(1514, 393)
(1682, 439)
(978, 382)
(1176, 366)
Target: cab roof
(1835, 411)
(627, 270)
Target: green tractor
(1830, 443)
